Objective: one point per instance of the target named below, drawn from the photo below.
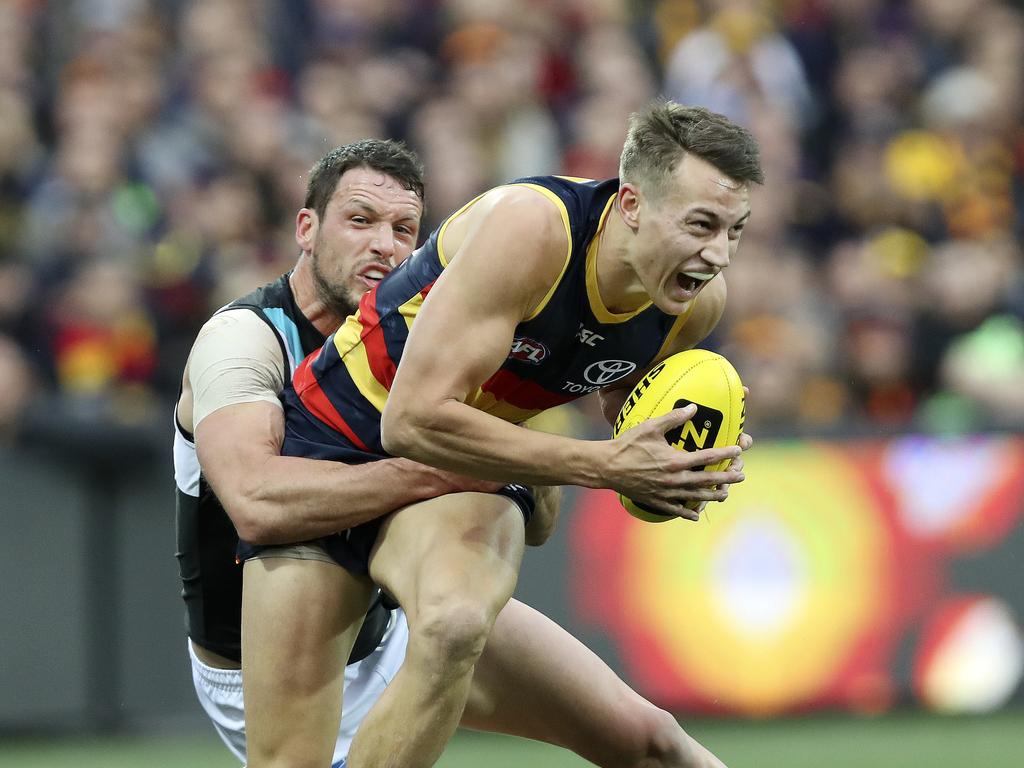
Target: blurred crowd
(153, 154)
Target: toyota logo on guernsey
(607, 371)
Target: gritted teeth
(375, 272)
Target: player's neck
(617, 282)
(308, 300)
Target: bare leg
(300, 619)
(452, 563)
(537, 681)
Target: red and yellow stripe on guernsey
(374, 347)
(412, 307)
(315, 400)
(515, 399)
(361, 345)
(488, 403)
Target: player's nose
(383, 245)
(716, 252)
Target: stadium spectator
(130, 123)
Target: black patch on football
(701, 432)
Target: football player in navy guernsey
(535, 293)
(533, 679)
(362, 214)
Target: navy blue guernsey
(569, 346)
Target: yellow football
(695, 376)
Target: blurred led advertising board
(852, 575)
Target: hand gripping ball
(695, 376)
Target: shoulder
(237, 332)
(526, 207)
(512, 243)
(235, 321)
(237, 358)
(516, 220)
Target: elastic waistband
(228, 679)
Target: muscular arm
(232, 387)
(512, 251)
(507, 259)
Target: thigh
(537, 681)
(299, 620)
(458, 544)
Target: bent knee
(454, 630)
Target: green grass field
(894, 741)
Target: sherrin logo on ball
(695, 376)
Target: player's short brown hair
(384, 155)
(661, 134)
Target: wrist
(590, 463)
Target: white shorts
(220, 691)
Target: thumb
(675, 418)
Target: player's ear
(629, 204)
(307, 224)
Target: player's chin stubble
(337, 298)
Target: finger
(690, 495)
(728, 478)
(745, 442)
(709, 456)
(736, 465)
(674, 418)
(706, 479)
(687, 514)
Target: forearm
(460, 438)
(284, 499)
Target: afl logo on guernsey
(606, 371)
(528, 350)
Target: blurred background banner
(153, 154)
(857, 575)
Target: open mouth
(692, 281)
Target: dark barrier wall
(93, 630)
(854, 575)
